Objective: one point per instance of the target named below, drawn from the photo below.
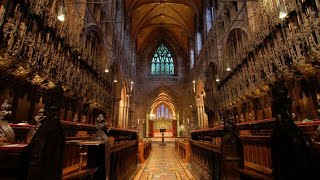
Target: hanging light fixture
(228, 69)
(106, 70)
(282, 12)
(61, 14)
(115, 80)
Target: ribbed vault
(176, 16)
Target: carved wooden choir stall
(53, 150)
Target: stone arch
(235, 41)
(96, 46)
(124, 106)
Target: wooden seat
(81, 174)
(250, 174)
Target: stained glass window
(162, 62)
(164, 112)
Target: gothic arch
(236, 39)
(96, 46)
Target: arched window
(162, 62)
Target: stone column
(115, 118)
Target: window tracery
(162, 62)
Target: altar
(157, 133)
(163, 123)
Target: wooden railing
(205, 158)
(183, 149)
(145, 147)
(123, 159)
(206, 152)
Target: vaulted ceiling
(170, 16)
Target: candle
(138, 120)
(188, 121)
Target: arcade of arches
(199, 89)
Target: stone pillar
(115, 118)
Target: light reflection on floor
(163, 164)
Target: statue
(241, 118)
(39, 118)
(3, 138)
(101, 124)
(75, 118)
(229, 124)
(5, 113)
(6, 132)
(84, 119)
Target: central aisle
(163, 164)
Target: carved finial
(5, 113)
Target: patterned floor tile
(163, 165)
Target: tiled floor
(163, 164)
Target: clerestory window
(162, 62)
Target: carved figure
(5, 113)
(101, 123)
(39, 118)
(75, 118)
(84, 119)
(6, 132)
